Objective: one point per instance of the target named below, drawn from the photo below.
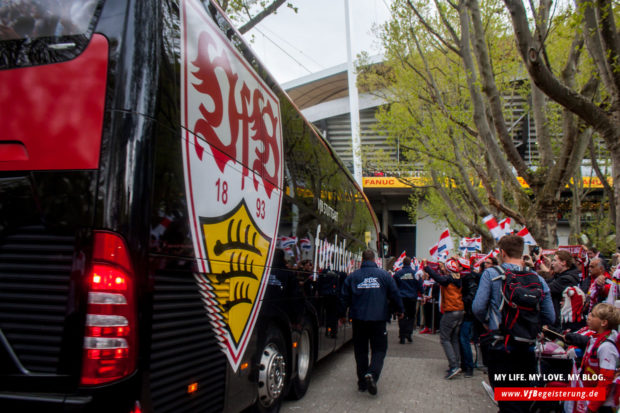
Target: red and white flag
(398, 264)
(527, 237)
(470, 244)
(504, 224)
(493, 226)
(490, 254)
(445, 244)
(434, 251)
(305, 244)
(287, 242)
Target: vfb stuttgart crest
(232, 154)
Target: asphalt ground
(412, 381)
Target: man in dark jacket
(366, 293)
(566, 275)
(409, 286)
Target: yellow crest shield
(237, 253)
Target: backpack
(522, 295)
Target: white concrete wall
(427, 235)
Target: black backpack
(522, 296)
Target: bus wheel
(272, 372)
(305, 362)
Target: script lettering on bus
(250, 117)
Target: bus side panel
(183, 349)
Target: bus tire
(305, 362)
(272, 372)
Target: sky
(293, 45)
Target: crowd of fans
(576, 318)
(572, 328)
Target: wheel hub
(304, 355)
(272, 375)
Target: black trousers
(375, 334)
(517, 361)
(405, 326)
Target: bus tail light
(110, 336)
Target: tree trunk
(488, 242)
(545, 224)
(615, 168)
(575, 220)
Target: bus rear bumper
(31, 402)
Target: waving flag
(490, 254)
(434, 251)
(504, 224)
(614, 290)
(163, 225)
(445, 244)
(398, 264)
(287, 242)
(527, 237)
(305, 244)
(470, 244)
(493, 226)
(415, 264)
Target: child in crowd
(601, 355)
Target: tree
(248, 13)
(597, 22)
(454, 68)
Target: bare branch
(549, 84)
(260, 16)
(492, 93)
(606, 187)
(493, 199)
(469, 189)
(609, 37)
(430, 28)
(479, 109)
(446, 23)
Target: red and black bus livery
(156, 185)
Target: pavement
(412, 381)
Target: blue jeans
(465, 339)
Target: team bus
(156, 185)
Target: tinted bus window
(33, 19)
(44, 31)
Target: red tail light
(110, 337)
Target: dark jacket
(469, 283)
(408, 285)
(367, 291)
(568, 278)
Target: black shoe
(370, 383)
(453, 372)
(469, 373)
(409, 338)
(402, 340)
(361, 389)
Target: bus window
(33, 19)
(43, 31)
